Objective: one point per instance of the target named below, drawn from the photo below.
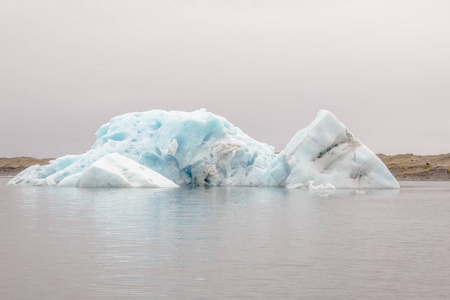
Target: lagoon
(225, 243)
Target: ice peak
(327, 152)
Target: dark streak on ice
(348, 139)
(357, 175)
(322, 153)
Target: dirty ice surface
(324, 153)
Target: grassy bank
(418, 167)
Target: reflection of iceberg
(326, 152)
(200, 148)
(115, 170)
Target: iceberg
(170, 148)
(115, 170)
(326, 153)
(188, 148)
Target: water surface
(225, 243)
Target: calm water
(224, 243)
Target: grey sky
(383, 67)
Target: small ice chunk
(327, 186)
(310, 185)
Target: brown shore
(11, 166)
(418, 167)
(402, 166)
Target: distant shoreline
(418, 167)
(405, 167)
(11, 166)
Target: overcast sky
(382, 67)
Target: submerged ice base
(200, 148)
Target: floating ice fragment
(310, 185)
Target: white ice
(325, 152)
(115, 170)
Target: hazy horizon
(382, 67)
